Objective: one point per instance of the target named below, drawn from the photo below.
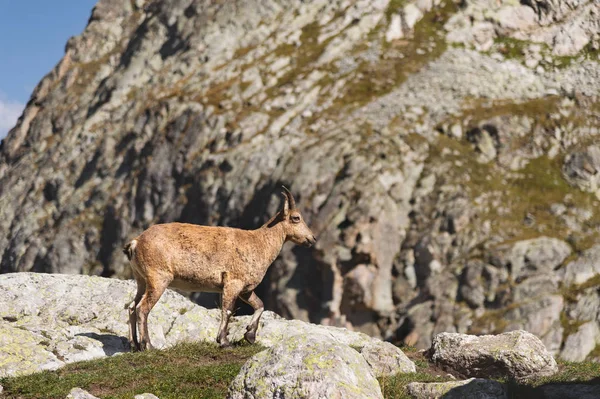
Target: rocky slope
(443, 152)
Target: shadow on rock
(111, 343)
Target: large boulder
(517, 355)
(48, 320)
(306, 366)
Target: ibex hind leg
(133, 339)
(154, 290)
(253, 300)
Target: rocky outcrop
(49, 320)
(442, 152)
(318, 367)
(516, 355)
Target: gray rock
(476, 388)
(146, 396)
(394, 31)
(78, 393)
(579, 344)
(516, 354)
(581, 168)
(306, 367)
(541, 317)
(586, 307)
(411, 15)
(583, 268)
(386, 360)
(539, 255)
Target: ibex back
(208, 259)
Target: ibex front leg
(253, 300)
(231, 290)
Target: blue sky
(33, 34)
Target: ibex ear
(286, 205)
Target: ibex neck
(273, 240)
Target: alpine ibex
(208, 259)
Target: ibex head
(295, 229)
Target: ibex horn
(290, 197)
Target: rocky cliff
(442, 152)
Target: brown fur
(209, 259)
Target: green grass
(198, 370)
(394, 387)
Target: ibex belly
(196, 272)
(194, 286)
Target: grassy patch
(572, 292)
(395, 386)
(199, 370)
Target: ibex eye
(295, 218)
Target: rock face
(447, 184)
(565, 26)
(475, 388)
(516, 355)
(298, 367)
(48, 320)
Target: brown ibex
(208, 259)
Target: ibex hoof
(225, 344)
(146, 346)
(250, 336)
